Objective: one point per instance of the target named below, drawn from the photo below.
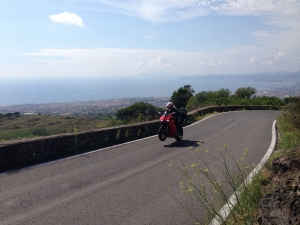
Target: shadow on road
(184, 143)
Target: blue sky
(79, 38)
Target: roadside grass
(31, 126)
(249, 199)
(289, 134)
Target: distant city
(84, 108)
(282, 93)
(281, 85)
(109, 107)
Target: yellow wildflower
(181, 184)
(190, 189)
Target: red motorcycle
(168, 127)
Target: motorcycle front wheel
(180, 135)
(162, 132)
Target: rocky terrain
(282, 206)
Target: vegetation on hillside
(242, 96)
(289, 126)
(9, 115)
(139, 111)
(29, 126)
(15, 126)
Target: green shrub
(15, 134)
(136, 111)
(289, 140)
(38, 131)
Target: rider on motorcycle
(172, 109)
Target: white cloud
(141, 64)
(159, 62)
(278, 55)
(256, 7)
(274, 59)
(212, 63)
(252, 60)
(68, 62)
(282, 18)
(174, 10)
(157, 10)
(67, 18)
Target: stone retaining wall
(19, 154)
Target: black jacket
(174, 111)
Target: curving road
(126, 184)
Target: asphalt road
(127, 184)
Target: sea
(61, 90)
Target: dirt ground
(282, 205)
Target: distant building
(28, 114)
(265, 93)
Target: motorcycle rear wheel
(162, 132)
(180, 131)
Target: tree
(223, 93)
(139, 111)
(207, 97)
(182, 95)
(9, 115)
(16, 114)
(245, 92)
(141, 117)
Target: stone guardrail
(23, 153)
